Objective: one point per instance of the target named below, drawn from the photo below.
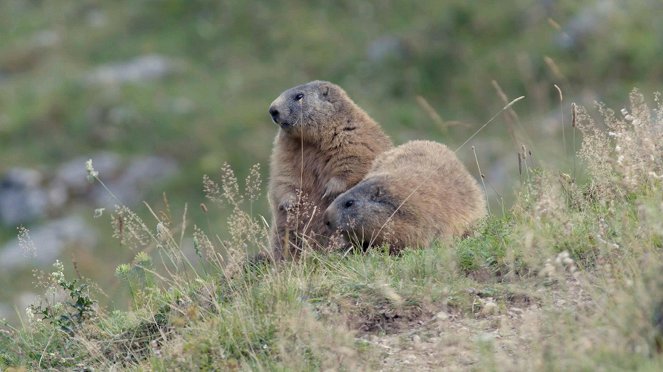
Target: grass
(569, 278)
(233, 58)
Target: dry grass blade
(513, 102)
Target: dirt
(445, 339)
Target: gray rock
(21, 197)
(139, 69)
(384, 48)
(57, 194)
(49, 241)
(130, 186)
(46, 38)
(96, 18)
(587, 21)
(73, 175)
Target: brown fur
(325, 145)
(413, 194)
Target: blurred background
(159, 93)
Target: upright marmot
(325, 145)
(413, 194)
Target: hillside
(568, 278)
(136, 267)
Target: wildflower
(91, 172)
(29, 315)
(58, 274)
(25, 242)
(122, 270)
(142, 258)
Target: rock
(73, 175)
(49, 241)
(587, 21)
(57, 194)
(489, 308)
(139, 69)
(386, 48)
(21, 197)
(26, 195)
(96, 18)
(442, 315)
(131, 184)
(46, 38)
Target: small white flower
(58, 274)
(29, 315)
(91, 172)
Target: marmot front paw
(288, 202)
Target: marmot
(324, 146)
(413, 194)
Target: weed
(69, 313)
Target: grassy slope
(358, 310)
(234, 57)
(568, 279)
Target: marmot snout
(306, 109)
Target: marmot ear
(325, 90)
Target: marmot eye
(299, 96)
(349, 203)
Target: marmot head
(304, 109)
(362, 213)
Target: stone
(442, 316)
(22, 198)
(140, 69)
(489, 308)
(73, 176)
(130, 185)
(386, 48)
(49, 240)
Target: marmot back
(413, 194)
(325, 145)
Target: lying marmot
(413, 194)
(325, 145)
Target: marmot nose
(275, 114)
(330, 225)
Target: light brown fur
(325, 145)
(413, 194)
